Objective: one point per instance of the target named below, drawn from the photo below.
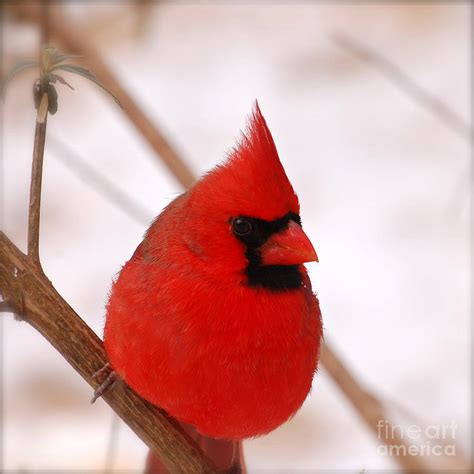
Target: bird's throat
(272, 277)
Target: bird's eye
(241, 226)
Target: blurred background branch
(98, 182)
(433, 104)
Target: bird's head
(243, 216)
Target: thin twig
(38, 150)
(418, 94)
(35, 188)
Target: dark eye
(241, 226)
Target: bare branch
(36, 181)
(372, 411)
(38, 151)
(417, 93)
(28, 290)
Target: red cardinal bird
(213, 318)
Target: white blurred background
(382, 178)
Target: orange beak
(288, 247)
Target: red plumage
(184, 327)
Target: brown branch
(35, 186)
(30, 293)
(38, 150)
(370, 409)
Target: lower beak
(288, 247)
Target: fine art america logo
(416, 440)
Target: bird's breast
(235, 362)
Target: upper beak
(288, 247)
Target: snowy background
(383, 182)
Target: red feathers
(252, 180)
(188, 328)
